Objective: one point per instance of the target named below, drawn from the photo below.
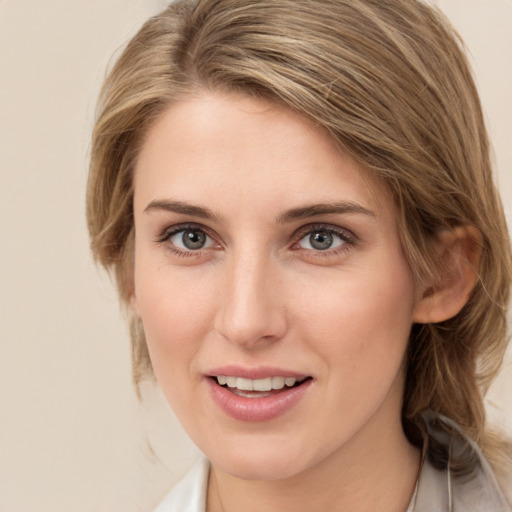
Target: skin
(258, 293)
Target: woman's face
(267, 259)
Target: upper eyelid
(169, 231)
(310, 228)
(297, 235)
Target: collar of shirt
(438, 488)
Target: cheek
(173, 330)
(175, 314)
(357, 326)
(361, 336)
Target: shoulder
(441, 481)
(189, 495)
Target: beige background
(72, 434)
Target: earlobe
(458, 257)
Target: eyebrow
(181, 207)
(301, 212)
(313, 210)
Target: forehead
(214, 147)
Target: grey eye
(191, 239)
(321, 240)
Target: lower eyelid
(328, 254)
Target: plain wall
(72, 434)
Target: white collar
(189, 495)
(436, 490)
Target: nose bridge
(250, 314)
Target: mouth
(258, 388)
(257, 394)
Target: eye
(186, 239)
(323, 239)
(190, 239)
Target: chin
(260, 468)
(264, 461)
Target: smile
(257, 388)
(256, 400)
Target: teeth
(262, 384)
(266, 384)
(231, 382)
(244, 384)
(278, 382)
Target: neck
(376, 470)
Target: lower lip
(256, 409)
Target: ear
(457, 271)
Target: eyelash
(348, 239)
(169, 232)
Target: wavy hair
(390, 82)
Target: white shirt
(436, 491)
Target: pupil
(194, 239)
(321, 240)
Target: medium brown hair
(389, 80)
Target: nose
(252, 310)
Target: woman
(297, 201)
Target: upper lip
(258, 372)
